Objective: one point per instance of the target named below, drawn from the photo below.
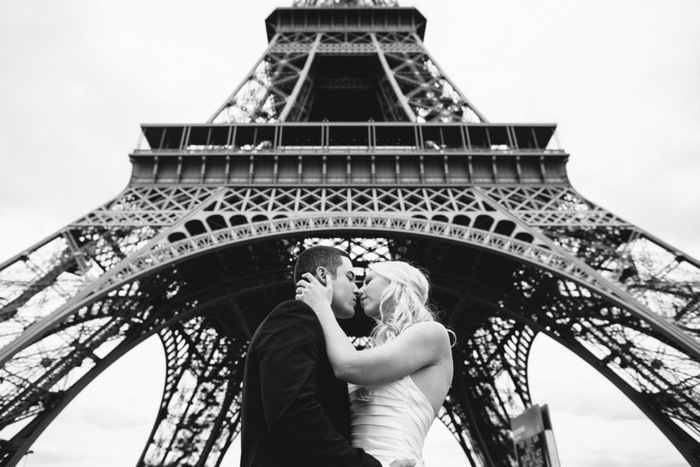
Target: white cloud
(108, 423)
(593, 422)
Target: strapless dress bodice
(390, 421)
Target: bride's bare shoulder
(428, 330)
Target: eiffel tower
(346, 132)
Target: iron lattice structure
(346, 132)
(345, 3)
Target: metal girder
(345, 3)
(271, 91)
(391, 79)
(198, 417)
(303, 79)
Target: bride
(399, 383)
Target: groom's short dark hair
(318, 256)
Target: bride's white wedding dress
(390, 421)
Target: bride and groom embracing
(311, 399)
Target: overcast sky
(620, 77)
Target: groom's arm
(293, 413)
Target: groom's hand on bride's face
(403, 463)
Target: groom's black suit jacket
(295, 413)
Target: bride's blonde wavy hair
(403, 303)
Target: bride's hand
(315, 294)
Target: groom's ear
(321, 274)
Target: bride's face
(371, 294)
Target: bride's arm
(422, 345)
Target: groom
(295, 413)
